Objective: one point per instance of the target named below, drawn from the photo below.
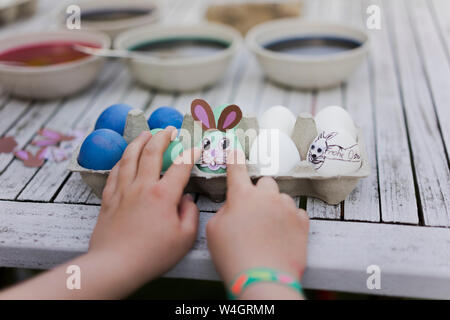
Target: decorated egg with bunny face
(219, 136)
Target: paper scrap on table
(7, 144)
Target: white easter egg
(278, 117)
(274, 152)
(334, 153)
(334, 118)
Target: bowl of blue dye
(305, 54)
(179, 58)
(112, 16)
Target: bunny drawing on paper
(218, 134)
(322, 150)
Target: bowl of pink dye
(45, 65)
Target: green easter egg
(155, 131)
(207, 170)
(173, 151)
(215, 137)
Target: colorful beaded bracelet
(255, 275)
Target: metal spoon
(107, 53)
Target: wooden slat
(435, 58)
(431, 167)
(441, 11)
(312, 9)
(27, 126)
(169, 10)
(363, 203)
(272, 95)
(160, 100)
(11, 112)
(183, 102)
(45, 181)
(223, 92)
(93, 199)
(138, 96)
(3, 98)
(251, 85)
(413, 260)
(329, 10)
(397, 194)
(299, 101)
(74, 190)
(206, 205)
(195, 11)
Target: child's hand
(257, 227)
(145, 221)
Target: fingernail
(189, 197)
(174, 132)
(174, 135)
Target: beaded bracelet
(256, 275)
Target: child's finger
(237, 175)
(111, 183)
(288, 199)
(268, 185)
(303, 215)
(151, 161)
(129, 162)
(189, 214)
(177, 176)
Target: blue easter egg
(164, 117)
(101, 150)
(114, 118)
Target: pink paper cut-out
(7, 144)
(51, 138)
(30, 160)
(202, 115)
(229, 120)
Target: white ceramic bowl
(114, 27)
(306, 71)
(180, 74)
(54, 81)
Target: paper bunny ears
(228, 119)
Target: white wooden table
(397, 219)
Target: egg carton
(303, 180)
(11, 10)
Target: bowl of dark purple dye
(306, 54)
(45, 65)
(179, 58)
(114, 16)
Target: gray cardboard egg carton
(303, 180)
